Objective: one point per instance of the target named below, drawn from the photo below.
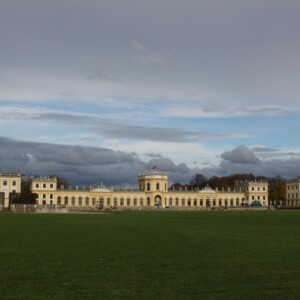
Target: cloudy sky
(193, 86)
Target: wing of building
(292, 192)
(9, 184)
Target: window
(141, 202)
(157, 186)
(115, 201)
(214, 202)
(135, 202)
(108, 201)
(253, 188)
(37, 185)
(201, 202)
(231, 202)
(93, 201)
(220, 202)
(148, 186)
(51, 186)
(128, 201)
(87, 201)
(59, 200)
(51, 196)
(66, 200)
(176, 201)
(44, 196)
(44, 185)
(170, 201)
(148, 201)
(226, 202)
(237, 201)
(73, 200)
(122, 202)
(183, 202)
(195, 202)
(14, 183)
(80, 201)
(189, 202)
(4, 182)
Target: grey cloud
(154, 155)
(241, 155)
(111, 129)
(245, 50)
(82, 165)
(245, 162)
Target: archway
(157, 200)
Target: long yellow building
(152, 192)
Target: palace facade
(153, 191)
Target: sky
(208, 86)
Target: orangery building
(153, 191)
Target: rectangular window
(93, 201)
(108, 201)
(87, 201)
(44, 185)
(4, 182)
(170, 201)
(14, 183)
(122, 202)
(214, 202)
(128, 201)
(195, 202)
(183, 202)
(51, 196)
(44, 196)
(134, 202)
(220, 202)
(141, 202)
(37, 185)
(51, 186)
(176, 202)
(115, 201)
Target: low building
(9, 183)
(152, 192)
(293, 192)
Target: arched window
(80, 201)
(58, 200)
(157, 186)
(66, 200)
(73, 200)
(87, 200)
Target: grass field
(151, 255)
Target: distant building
(152, 192)
(292, 192)
(9, 183)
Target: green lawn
(151, 255)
